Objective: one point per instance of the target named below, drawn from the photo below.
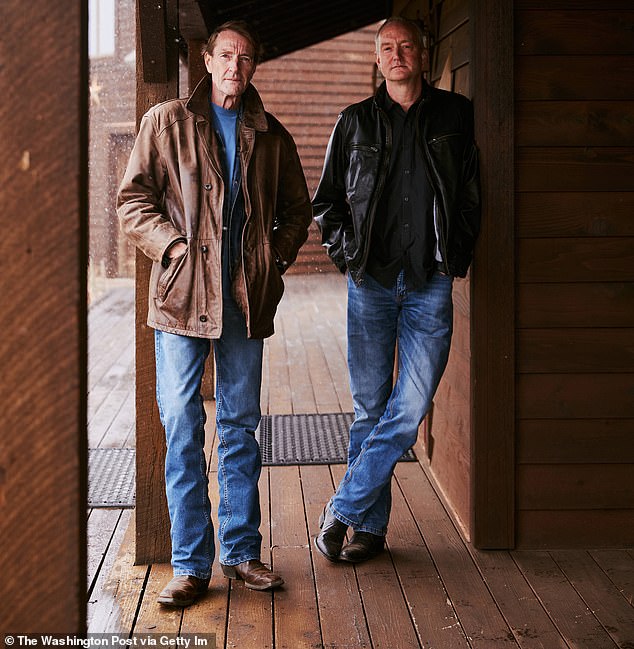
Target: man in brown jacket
(215, 195)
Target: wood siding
(574, 112)
(448, 428)
(306, 91)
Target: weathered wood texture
(574, 114)
(430, 589)
(152, 518)
(493, 305)
(43, 456)
(447, 430)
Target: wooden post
(43, 346)
(493, 282)
(152, 517)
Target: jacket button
(203, 248)
(207, 186)
(203, 318)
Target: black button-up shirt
(403, 236)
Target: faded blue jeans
(180, 362)
(388, 414)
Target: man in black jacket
(398, 208)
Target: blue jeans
(388, 414)
(180, 362)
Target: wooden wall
(306, 91)
(574, 112)
(447, 435)
(43, 196)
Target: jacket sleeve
(470, 208)
(140, 197)
(330, 206)
(293, 213)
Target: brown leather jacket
(173, 189)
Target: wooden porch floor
(429, 590)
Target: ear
(207, 60)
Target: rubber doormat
(111, 477)
(307, 439)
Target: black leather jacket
(355, 169)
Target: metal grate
(307, 439)
(111, 477)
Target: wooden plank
(597, 304)
(567, 123)
(576, 260)
(575, 440)
(341, 615)
(296, 617)
(599, 528)
(575, 350)
(151, 614)
(114, 611)
(575, 169)
(326, 399)
(152, 517)
(600, 595)
(572, 78)
(521, 608)
(575, 214)
(569, 612)
(618, 565)
(574, 32)
(302, 391)
(575, 396)
(476, 609)
(493, 280)
(432, 612)
(389, 621)
(43, 171)
(575, 486)
(102, 524)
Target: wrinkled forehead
(230, 41)
(396, 33)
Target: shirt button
(207, 186)
(203, 248)
(203, 318)
(406, 199)
(407, 172)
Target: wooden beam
(493, 282)
(152, 40)
(43, 347)
(152, 518)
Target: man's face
(231, 65)
(399, 56)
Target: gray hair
(413, 26)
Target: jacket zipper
(379, 187)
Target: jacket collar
(381, 97)
(253, 115)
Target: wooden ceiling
(283, 25)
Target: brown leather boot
(183, 590)
(254, 574)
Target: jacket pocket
(167, 279)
